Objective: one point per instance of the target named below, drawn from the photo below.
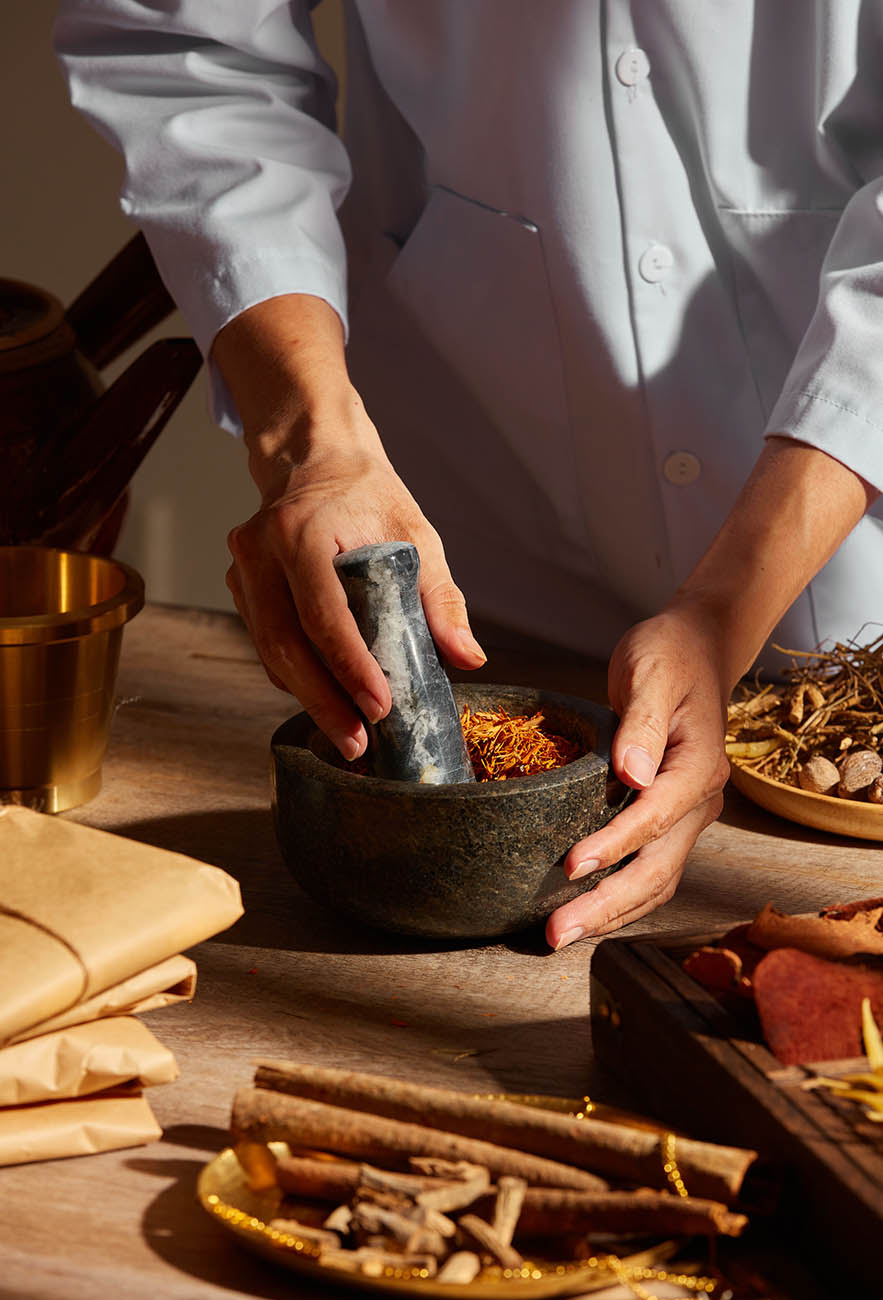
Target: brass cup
(61, 626)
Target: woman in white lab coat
(596, 251)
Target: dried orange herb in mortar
(502, 745)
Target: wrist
(713, 616)
(796, 508)
(319, 440)
(284, 364)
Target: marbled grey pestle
(421, 738)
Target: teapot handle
(98, 456)
(121, 304)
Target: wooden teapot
(68, 448)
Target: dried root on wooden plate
(441, 1184)
(822, 730)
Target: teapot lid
(33, 326)
(27, 313)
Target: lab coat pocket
(777, 259)
(458, 349)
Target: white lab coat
(597, 249)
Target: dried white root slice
(507, 1207)
(320, 1237)
(463, 1267)
(374, 1263)
(482, 1233)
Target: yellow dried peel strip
(848, 1086)
(871, 1037)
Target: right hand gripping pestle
(421, 738)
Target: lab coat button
(682, 467)
(655, 263)
(632, 66)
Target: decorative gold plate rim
(852, 818)
(224, 1194)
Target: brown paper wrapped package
(83, 1059)
(162, 985)
(75, 1128)
(81, 910)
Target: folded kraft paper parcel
(91, 931)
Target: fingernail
(584, 868)
(569, 936)
(469, 643)
(369, 707)
(638, 765)
(347, 744)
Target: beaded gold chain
(667, 1144)
(628, 1276)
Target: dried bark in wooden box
(701, 1067)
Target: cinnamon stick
(336, 1180)
(550, 1212)
(545, 1211)
(265, 1116)
(835, 932)
(324, 1180)
(613, 1150)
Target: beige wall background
(59, 224)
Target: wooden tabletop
(188, 769)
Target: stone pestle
(421, 738)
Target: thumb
(642, 735)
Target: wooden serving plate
(822, 812)
(705, 1069)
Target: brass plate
(223, 1192)
(823, 812)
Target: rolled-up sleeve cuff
(833, 425)
(211, 295)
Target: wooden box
(698, 1067)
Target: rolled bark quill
(613, 1150)
(842, 931)
(260, 1115)
(545, 1211)
(336, 1180)
(548, 1212)
(421, 738)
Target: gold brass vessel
(62, 615)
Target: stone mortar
(445, 861)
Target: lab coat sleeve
(833, 395)
(224, 112)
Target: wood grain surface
(188, 769)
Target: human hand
(326, 486)
(288, 593)
(667, 683)
(670, 678)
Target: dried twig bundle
(821, 730)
